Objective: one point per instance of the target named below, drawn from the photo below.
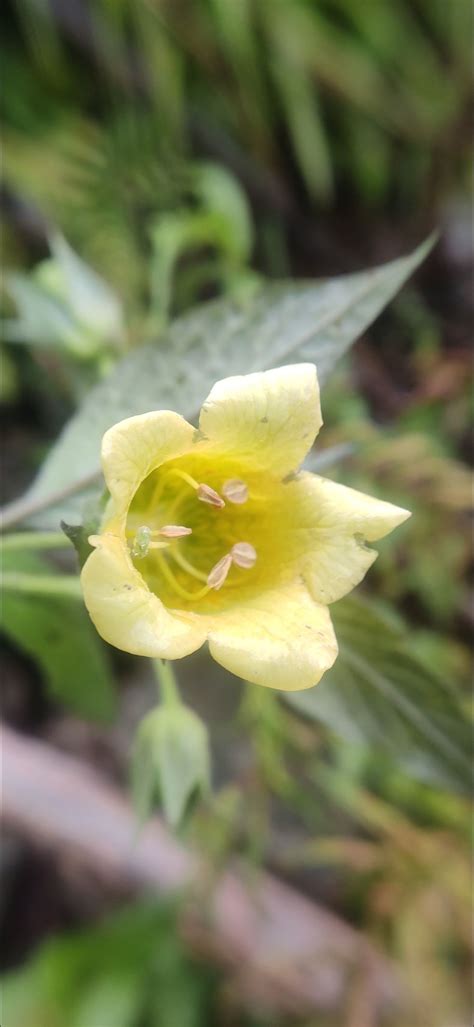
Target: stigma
(145, 538)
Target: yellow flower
(215, 535)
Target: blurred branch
(284, 952)
(20, 509)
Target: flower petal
(270, 417)
(127, 614)
(330, 525)
(133, 448)
(280, 638)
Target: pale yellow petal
(127, 614)
(270, 418)
(133, 448)
(328, 527)
(280, 638)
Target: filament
(186, 565)
(175, 584)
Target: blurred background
(187, 149)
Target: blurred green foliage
(58, 635)
(131, 971)
(105, 107)
(183, 149)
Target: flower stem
(35, 540)
(168, 685)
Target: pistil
(146, 539)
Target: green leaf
(78, 534)
(91, 299)
(220, 193)
(379, 693)
(281, 323)
(59, 636)
(43, 320)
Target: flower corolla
(216, 535)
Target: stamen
(219, 572)
(185, 477)
(208, 495)
(243, 555)
(173, 531)
(235, 490)
(186, 565)
(175, 584)
(204, 492)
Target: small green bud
(170, 762)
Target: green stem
(42, 584)
(35, 540)
(168, 685)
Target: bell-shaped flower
(215, 535)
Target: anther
(174, 531)
(243, 555)
(208, 495)
(204, 492)
(235, 490)
(216, 577)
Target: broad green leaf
(379, 693)
(278, 324)
(58, 635)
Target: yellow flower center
(195, 548)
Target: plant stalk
(42, 584)
(168, 685)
